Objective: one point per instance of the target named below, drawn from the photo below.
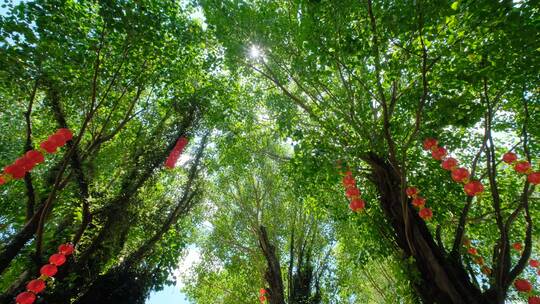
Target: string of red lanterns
(34, 287)
(419, 203)
(25, 163)
(460, 175)
(522, 167)
(476, 257)
(176, 152)
(474, 188)
(523, 285)
(357, 204)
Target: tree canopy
(337, 151)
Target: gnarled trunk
(443, 280)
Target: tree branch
(30, 193)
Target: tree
(262, 234)
(299, 100)
(127, 80)
(366, 81)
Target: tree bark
(273, 273)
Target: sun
(255, 52)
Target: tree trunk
(442, 280)
(273, 273)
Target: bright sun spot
(255, 52)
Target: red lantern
(48, 270)
(57, 140)
(48, 146)
(517, 246)
(352, 192)
(25, 298)
(429, 143)
(509, 157)
(419, 201)
(522, 285)
(534, 263)
(460, 174)
(25, 163)
(36, 286)
(534, 300)
(522, 167)
(357, 205)
(35, 156)
(473, 188)
(411, 191)
(449, 163)
(17, 172)
(65, 133)
(438, 153)
(534, 178)
(348, 181)
(426, 213)
(472, 251)
(66, 249)
(479, 260)
(57, 259)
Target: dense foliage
(129, 79)
(278, 99)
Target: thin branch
(49, 203)
(30, 193)
(503, 258)
(460, 230)
(377, 63)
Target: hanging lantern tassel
(176, 152)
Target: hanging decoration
(176, 152)
(419, 203)
(476, 257)
(263, 295)
(523, 285)
(522, 167)
(34, 287)
(517, 246)
(357, 204)
(460, 175)
(25, 163)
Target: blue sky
(169, 295)
(172, 294)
